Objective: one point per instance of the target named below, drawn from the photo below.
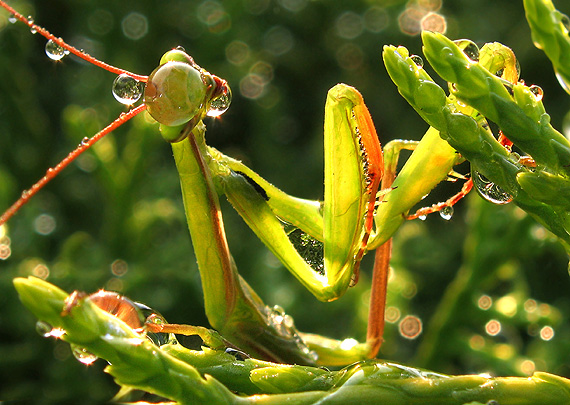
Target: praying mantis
(363, 206)
(263, 206)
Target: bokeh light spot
(350, 56)
(293, 5)
(119, 267)
(530, 305)
(100, 22)
(430, 5)
(376, 19)
(213, 14)
(547, 333)
(349, 25)
(278, 40)
(392, 314)
(527, 367)
(507, 305)
(251, 86)
(484, 302)
(504, 351)
(434, 22)
(134, 26)
(41, 271)
(410, 327)
(237, 52)
(44, 224)
(493, 327)
(476, 342)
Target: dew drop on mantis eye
(83, 355)
(219, 105)
(54, 51)
(537, 91)
(446, 212)
(490, 191)
(126, 89)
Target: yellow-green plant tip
(43, 299)
(551, 35)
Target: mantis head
(180, 92)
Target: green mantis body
(343, 227)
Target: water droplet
(85, 141)
(126, 89)
(43, 328)
(46, 330)
(31, 21)
(12, 19)
(348, 344)
(446, 212)
(54, 51)
(537, 91)
(422, 217)
(238, 354)
(544, 119)
(490, 191)
(417, 60)
(564, 81)
(469, 48)
(219, 105)
(565, 21)
(154, 317)
(276, 315)
(83, 355)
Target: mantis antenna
(86, 143)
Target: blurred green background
(490, 287)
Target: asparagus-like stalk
(196, 377)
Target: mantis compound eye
(175, 93)
(179, 91)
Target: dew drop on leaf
(417, 60)
(490, 191)
(469, 48)
(563, 80)
(83, 355)
(537, 91)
